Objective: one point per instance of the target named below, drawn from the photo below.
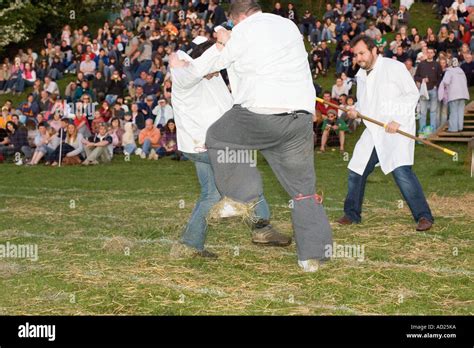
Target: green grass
(108, 253)
(104, 235)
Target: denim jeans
(456, 115)
(406, 181)
(146, 147)
(130, 148)
(194, 234)
(432, 103)
(315, 35)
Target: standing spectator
(453, 89)
(429, 72)
(163, 113)
(468, 67)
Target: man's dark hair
(200, 49)
(369, 42)
(326, 92)
(238, 7)
(43, 124)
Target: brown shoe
(424, 224)
(269, 236)
(345, 221)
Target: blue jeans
(194, 234)
(406, 181)
(130, 148)
(146, 147)
(456, 115)
(433, 105)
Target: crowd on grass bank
(118, 100)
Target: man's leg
(292, 161)
(412, 192)
(146, 147)
(461, 106)
(356, 189)
(195, 232)
(423, 112)
(103, 154)
(324, 140)
(433, 93)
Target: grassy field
(104, 234)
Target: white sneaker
(19, 162)
(311, 265)
(153, 155)
(138, 151)
(142, 155)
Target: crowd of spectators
(118, 95)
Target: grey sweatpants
(286, 143)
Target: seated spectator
(329, 31)
(277, 10)
(15, 76)
(105, 111)
(384, 22)
(99, 86)
(55, 122)
(30, 108)
(5, 117)
(82, 90)
(321, 56)
(4, 77)
(148, 107)
(344, 59)
(149, 139)
(56, 69)
(72, 146)
(51, 86)
(372, 31)
(81, 123)
(400, 55)
(128, 138)
(98, 148)
(168, 142)
(401, 18)
(116, 132)
(46, 143)
(115, 88)
(339, 88)
(16, 142)
(163, 112)
(306, 24)
(333, 125)
(150, 87)
(88, 67)
(96, 121)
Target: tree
(20, 19)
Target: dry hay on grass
(452, 206)
(244, 211)
(117, 244)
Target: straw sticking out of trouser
(242, 211)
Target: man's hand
(175, 62)
(353, 114)
(211, 75)
(426, 80)
(392, 127)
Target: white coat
(197, 104)
(387, 94)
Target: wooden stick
(381, 124)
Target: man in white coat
(198, 102)
(386, 92)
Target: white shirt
(387, 94)
(197, 104)
(269, 64)
(167, 111)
